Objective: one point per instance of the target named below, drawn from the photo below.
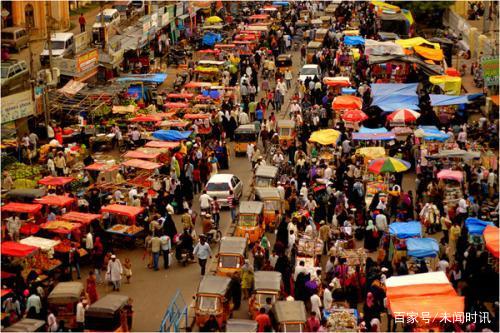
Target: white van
(111, 16)
(309, 71)
(219, 186)
(62, 45)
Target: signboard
(490, 70)
(17, 106)
(165, 19)
(82, 41)
(146, 24)
(179, 9)
(66, 66)
(87, 60)
(154, 20)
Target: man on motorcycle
(185, 244)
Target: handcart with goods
(124, 229)
(31, 214)
(340, 319)
(309, 250)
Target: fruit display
(121, 228)
(42, 262)
(133, 229)
(22, 171)
(26, 183)
(310, 246)
(342, 320)
(353, 257)
(64, 246)
(125, 229)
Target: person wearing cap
(114, 272)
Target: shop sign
(490, 70)
(179, 9)
(165, 19)
(17, 106)
(87, 60)
(154, 20)
(146, 25)
(66, 66)
(82, 41)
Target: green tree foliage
(423, 7)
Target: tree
(426, 13)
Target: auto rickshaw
(273, 207)
(213, 298)
(25, 195)
(320, 35)
(266, 176)
(241, 325)
(231, 255)
(26, 325)
(286, 132)
(267, 285)
(284, 62)
(104, 315)
(63, 300)
(312, 48)
(243, 136)
(290, 316)
(250, 221)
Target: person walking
(203, 252)
(155, 250)
(82, 21)
(166, 246)
(114, 272)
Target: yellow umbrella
(371, 152)
(325, 137)
(213, 20)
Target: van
(15, 76)
(15, 38)
(111, 16)
(309, 71)
(62, 44)
(219, 186)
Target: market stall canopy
(181, 95)
(85, 218)
(422, 247)
(373, 47)
(340, 81)
(42, 243)
(18, 207)
(55, 200)
(354, 40)
(176, 105)
(343, 102)
(197, 84)
(130, 211)
(428, 69)
(141, 164)
(371, 152)
(457, 153)
(476, 226)
(135, 154)
(325, 137)
(451, 85)
(490, 235)
(388, 164)
(101, 167)
(373, 134)
(392, 96)
(145, 118)
(432, 307)
(162, 144)
(157, 78)
(407, 89)
(354, 115)
(403, 116)
(403, 230)
(171, 135)
(55, 181)
(121, 109)
(25, 194)
(416, 41)
(15, 249)
(269, 9)
(213, 20)
(431, 133)
(434, 278)
(445, 100)
(451, 174)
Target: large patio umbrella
(354, 115)
(213, 20)
(388, 164)
(403, 116)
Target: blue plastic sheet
(366, 130)
(147, 78)
(354, 40)
(394, 101)
(171, 135)
(476, 226)
(409, 89)
(404, 230)
(433, 133)
(281, 3)
(444, 100)
(422, 247)
(210, 39)
(348, 91)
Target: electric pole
(48, 22)
(103, 24)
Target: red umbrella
(354, 115)
(403, 116)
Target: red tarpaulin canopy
(17, 207)
(5, 292)
(347, 102)
(55, 181)
(207, 51)
(145, 119)
(55, 200)
(141, 155)
(141, 164)
(176, 105)
(129, 211)
(490, 235)
(177, 95)
(259, 17)
(162, 144)
(197, 116)
(451, 174)
(354, 115)
(6, 275)
(197, 84)
(224, 46)
(50, 227)
(84, 218)
(15, 249)
(101, 167)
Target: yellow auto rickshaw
(267, 285)
(250, 220)
(273, 205)
(290, 316)
(286, 132)
(284, 62)
(213, 298)
(243, 136)
(231, 255)
(312, 48)
(266, 176)
(320, 35)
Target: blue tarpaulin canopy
(404, 230)
(366, 133)
(147, 78)
(354, 40)
(443, 100)
(392, 96)
(367, 130)
(171, 135)
(281, 3)
(422, 247)
(476, 226)
(394, 88)
(348, 91)
(433, 133)
(211, 38)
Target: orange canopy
(165, 115)
(141, 155)
(490, 235)
(178, 95)
(428, 53)
(55, 200)
(197, 84)
(224, 46)
(197, 116)
(496, 99)
(130, 211)
(432, 307)
(60, 227)
(162, 144)
(101, 167)
(420, 290)
(176, 105)
(259, 17)
(84, 218)
(55, 181)
(18, 207)
(141, 164)
(347, 102)
(145, 118)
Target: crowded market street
(317, 166)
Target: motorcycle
(214, 235)
(126, 145)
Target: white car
(111, 16)
(62, 45)
(309, 71)
(219, 186)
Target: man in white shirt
(243, 118)
(281, 191)
(205, 201)
(80, 315)
(250, 151)
(132, 193)
(327, 297)
(316, 304)
(381, 222)
(300, 268)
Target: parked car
(15, 38)
(111, 16)
(15, 76)
(62, 45)
(309, 71)
(219, 186)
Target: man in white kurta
(114, 272)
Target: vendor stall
(51, 181)
(452, 180)
(491, 240)
(475, 228)
(33, 211)
(124, 228)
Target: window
(233, 182)
(207, 303)
(229, 261)
(247, 220)
(263, 182)
(5, 72)
(7, 35)
(285, 131)
(217, 187)
(29, 15)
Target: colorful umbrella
(403, 116)
(388, 164)
(354, 115)
(213, 20)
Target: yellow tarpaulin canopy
(412, 42)
(450, 84)
(385, 6)
(408, 16)
(325, 137)
(428, 53)
(371, 152)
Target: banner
(87, 60)
(17, 106)
(490, 70)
